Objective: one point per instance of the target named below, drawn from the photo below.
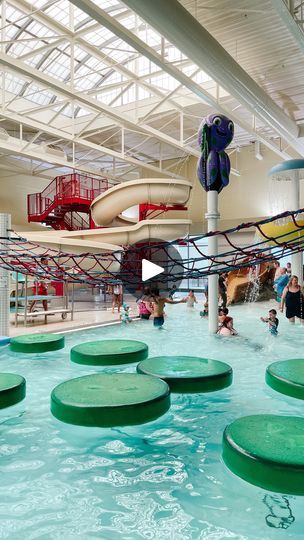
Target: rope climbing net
(20, 255)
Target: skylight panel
(118, 50)
(105, 4)
(69, 111)
(99, 36)
(13, 83)
(38, 3)
(85, 79)
(129, 96)
(82, 112)
(144, 66)
(89, 73)
(79, 53)
(10, 32)
(58, 64)
(129, 21)
(39, 95)
(60, 12)
(22, 47)
(34, 60)
(95, 63)
(107, 97)
(59, 68)
(39, 30)
(29, 40)
(164, 82)
(13, 14)
(141, 66)
(115, 77)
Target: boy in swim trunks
(159, 305)
(273, 322)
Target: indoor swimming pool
(163, 480)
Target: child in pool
(125, 316)
(191, 299)
(204, 313)
(225, 323)
(273, 322)
(226, 328)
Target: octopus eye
(217, 121)
(230, 126)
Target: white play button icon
(149, 270)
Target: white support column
(212, 216)
(297, 258)
(5, 225)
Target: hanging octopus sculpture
(215, 134)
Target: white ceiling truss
(90, 86)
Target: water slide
(120, 231)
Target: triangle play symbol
(149, 270)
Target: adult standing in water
(117, 293)
(159, 305)
(222, 285)
(293, 298)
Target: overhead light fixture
(257, 149)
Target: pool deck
(85, 315)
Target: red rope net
(19, 255)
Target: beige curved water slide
(107, 211)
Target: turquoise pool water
(164, 480)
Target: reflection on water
(163, 480)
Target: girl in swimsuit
(226, 328)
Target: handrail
(75, 221)
(71, 189)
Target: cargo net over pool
(19, 255)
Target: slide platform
(106, 211)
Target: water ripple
(164, 480)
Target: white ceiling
(77, 95)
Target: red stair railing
(70, 193)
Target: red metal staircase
(63, 199)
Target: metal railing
(66, 189)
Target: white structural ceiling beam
(88, 102)
(103, 18)
(289, 21)
(76, 37)
(114, 26)
(14, 146)
(174, 22)
(295, 29)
